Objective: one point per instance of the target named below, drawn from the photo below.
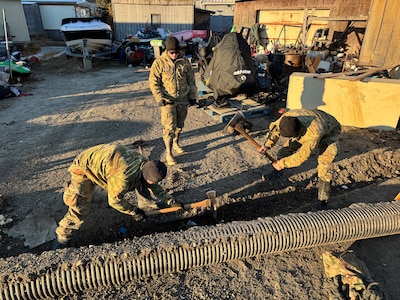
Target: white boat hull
(89, 38)
(93, 46)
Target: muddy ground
(65, 110)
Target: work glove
(192, 102)
(169, 203)
(138, 215)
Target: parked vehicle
(87, 38)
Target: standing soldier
(173, 86)
(117, 169)
(307, 130)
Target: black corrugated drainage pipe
(200, 246)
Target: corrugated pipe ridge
(217, 244)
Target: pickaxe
(211, 202)
(235, 124)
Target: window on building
(155, 20)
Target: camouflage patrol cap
(289, 126)
(154, 171)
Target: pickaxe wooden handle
(239, 128)
(203, 203)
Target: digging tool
(210, 202)
(212, 196)
(235, 125)
(397, 198)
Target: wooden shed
(371, 26)
(381, 45)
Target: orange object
(282, 111)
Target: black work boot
(323, 194)
(60, 245)
(321, 205)
(274, 174)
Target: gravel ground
(70, 109)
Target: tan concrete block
(370, 103)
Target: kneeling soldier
(117, 169)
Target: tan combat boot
(175, 145)
(168, 151)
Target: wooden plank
(309, 65)
(366, 74)
(382, 36)
(316, 61)
(331, 75)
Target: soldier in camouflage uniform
(173, 86)
(307, 130)
(117, 169)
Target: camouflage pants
(78, 197)
(173, 119)
(327, 151)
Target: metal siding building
(222, 19)
(17, 27)
(131, 15)
(51, 13)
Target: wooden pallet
(248, 107)
(202, 89)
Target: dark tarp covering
(231, 69)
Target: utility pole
(6, 39)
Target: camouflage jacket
(319, 126)
(171, 81)
(116, 169)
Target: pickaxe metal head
(236, 119)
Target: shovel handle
(203, 203)
(163, 211)
(239, 128)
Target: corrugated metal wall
(52, 15)
(129, 17)
(16, 23)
